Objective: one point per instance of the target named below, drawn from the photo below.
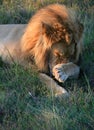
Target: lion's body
(10, 37)
(52, 36)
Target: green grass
(22, 111)
(25, 103)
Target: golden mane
(46, 27)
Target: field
(25, 103)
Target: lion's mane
(46, 28)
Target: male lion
(52, 36)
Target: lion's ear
(46, 29)
(68, 38)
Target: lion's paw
(62, 72)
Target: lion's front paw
(62, 72)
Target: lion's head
(53, 36)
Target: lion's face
(63, 44)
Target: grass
(25, 103)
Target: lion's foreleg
(53, 86)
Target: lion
(52, 36)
